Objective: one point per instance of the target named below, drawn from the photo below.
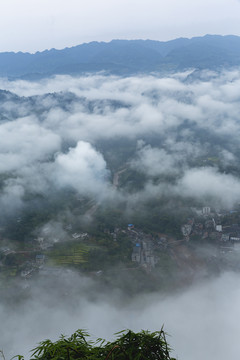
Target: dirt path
(116, 177)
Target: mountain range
(125, 57)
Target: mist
(202, 321)
(74, 145)
(47, 126)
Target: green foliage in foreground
(127, 346)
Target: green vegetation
(132, 180)
(98, 252)
(109, 253)
(72, 253)
(117, 151)
(128, 346)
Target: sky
(37, 25)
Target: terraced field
(74, 259)
(73, 255)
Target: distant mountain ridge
(125, 57)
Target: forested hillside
(125, 57)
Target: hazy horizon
(117, 39)
(32, 27)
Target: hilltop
(125, 57)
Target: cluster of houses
(227, 237)
(80, 236)
(26, 263)
(230, 238)
(32, 267)
(47, 242)
(143, 254)
(205, 224)
(143, 249)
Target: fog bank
(202, 320)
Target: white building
(219, 228)
(206, 210)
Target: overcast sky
(31, 25)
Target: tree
(129, 345)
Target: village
(205, 226)
(216, 226)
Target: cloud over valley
(184, 122)
(92, 153)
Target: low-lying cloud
(82, 168)
(202, 320)
(209, 183)
(56, 142)
(23, 142)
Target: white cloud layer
(203, 321)
(55, 143)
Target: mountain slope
(125, 57)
